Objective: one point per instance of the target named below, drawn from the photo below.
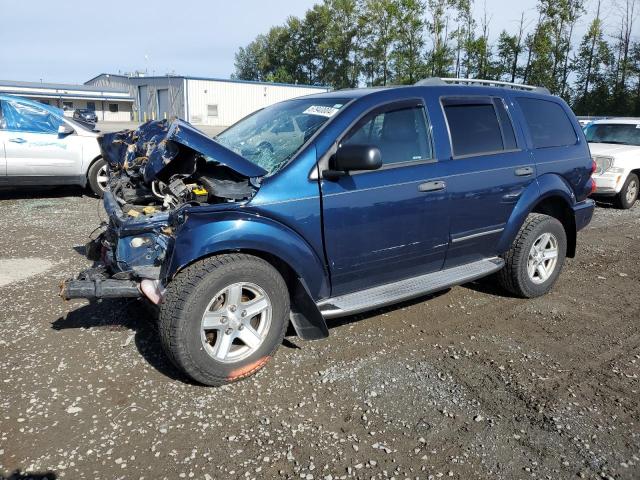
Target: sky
(71, 41)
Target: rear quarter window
(548, 123)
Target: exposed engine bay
(163, 165)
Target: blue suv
(333, 204)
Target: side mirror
(64, 130)
(352, 158)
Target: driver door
(33, 147)
(389, 224)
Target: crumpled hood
(156, 144)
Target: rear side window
(548, 123)
(478, 126)
(401, 134)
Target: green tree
(408, 53)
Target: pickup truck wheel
(629, 193)
(224, 317)
(98, 177)
(534, 262)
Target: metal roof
(211, 79)
(60, 86)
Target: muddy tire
(224, 317)
(97, 177)
(629, 193)
(534, 262)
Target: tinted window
(401, 135)
(548, 123)
(474, 128)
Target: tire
(516, 276)
(629, 193)
(208, 285)
(94, 177)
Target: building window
(91, 106)
(113, 107)
(67, 105)
(212, 110)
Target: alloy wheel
(236, 322)
(543, 258)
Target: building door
(143, 96)
(163, 103)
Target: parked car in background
(615, 147)
(85, 115)
(385, 195)
(43, 147)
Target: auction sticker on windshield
(322, 110)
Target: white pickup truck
(615, 147)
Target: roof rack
(477, 81)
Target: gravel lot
(469, 383)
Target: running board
(390, 293)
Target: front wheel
(629, 193)
(224, 317)
(534, 262)
(98, 177)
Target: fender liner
(546, 186)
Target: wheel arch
(550, 195)
(288, 253)
(90, 164)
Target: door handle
(435, 186)
(17, 140)
(524, 171)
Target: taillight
(594, 167)
(593, 187)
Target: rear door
(487, 173)
(33, 147)
(389, 224)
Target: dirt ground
(469, 383)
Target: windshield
(619, 133)
(270, 137)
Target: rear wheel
(224, 317)
(629, 193)
(98, 177)
(534, 262)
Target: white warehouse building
(199, 100)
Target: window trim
(410, 102)
(489, 100)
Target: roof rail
(478, 81)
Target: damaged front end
(157, 174)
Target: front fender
(207, 233)
(546, 186)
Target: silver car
(40, 146)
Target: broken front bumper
(128, 255)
